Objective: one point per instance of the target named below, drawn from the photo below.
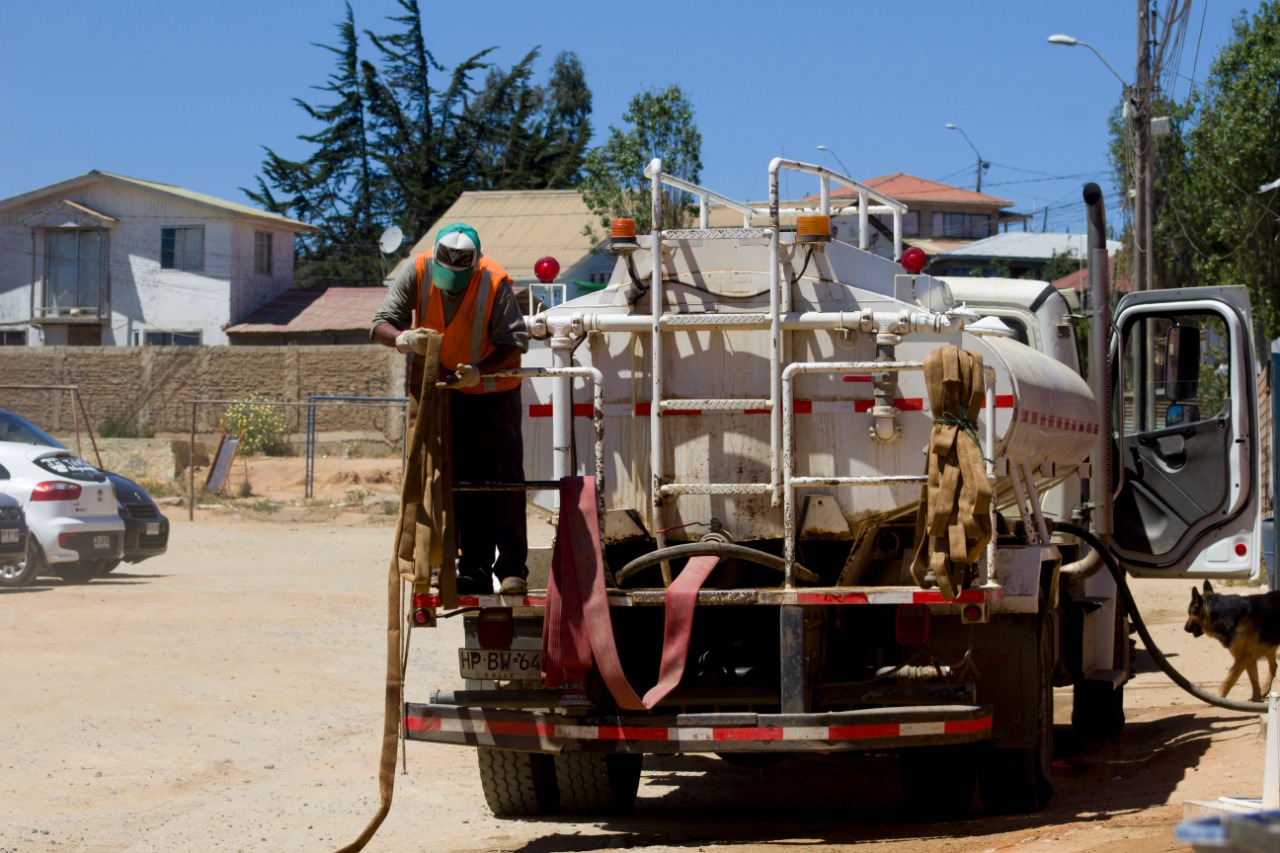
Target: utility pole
(1139, 104)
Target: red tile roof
(337, 309)
(909, 188)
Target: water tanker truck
(811, 499)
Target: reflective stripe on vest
(464, 343)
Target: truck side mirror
(1182, 363)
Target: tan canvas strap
(953, 522)
(424, 538)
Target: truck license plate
(101, 543)
(8, 536)
(499, 665)
(153, 528)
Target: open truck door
(1186, 477)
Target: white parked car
(70, 506)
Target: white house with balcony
(107, 260)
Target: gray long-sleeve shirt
(506, 322)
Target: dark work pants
(487, 446)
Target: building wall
(144, 297)
(154, 386)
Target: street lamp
(1138, 120)
(838, 160)
(982, 164)
(1068, 41)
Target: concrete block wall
(155, 386)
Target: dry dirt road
(227, 697)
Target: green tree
(395, 150)
(339, 185)
(661, 125)
(1060, 264)
(1212, 226)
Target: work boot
(514, 586)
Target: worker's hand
(465, 376)
(412, 340)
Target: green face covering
(456, 253)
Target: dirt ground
(227, 696)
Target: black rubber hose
(1131, 608)
(702, 549)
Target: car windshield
(22, 431)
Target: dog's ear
(1195, 597)
(1208, 588)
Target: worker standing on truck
(467, 296)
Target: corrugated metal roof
(517, 227)
(1026, 246)
(167, 189)
(338, 309)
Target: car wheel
(21, 574)
(81, 572)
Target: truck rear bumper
(540, 731)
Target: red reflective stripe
(912, 404)
(856, 377)
(863, 732)
(521, 729)
(963, 726)
(1004, 401)
(831, 598)
(634, 733)
(545, 410)
(422, 724)
(803, 407)
(756, 411)
(863, 405)
(752, 733)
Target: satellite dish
(390, 240)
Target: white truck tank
(723, 428)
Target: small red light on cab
(1241, 549)
(914, 259)
(546, 269)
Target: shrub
(112, 428)
(259, 424)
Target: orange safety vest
(466, 337)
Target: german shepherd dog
(1248, 625)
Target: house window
(910, 223)
(11, 338)
(172, 339)
(262, 252)
(75, 268)
(182, 248)
(970, 226)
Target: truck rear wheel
(597, 784)
(518, 784)
(1017, 781)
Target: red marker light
(546, 269)
(1241, 549)
(914, 259)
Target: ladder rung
(713, 320)
(724, 405)
(717, 489)
(888, 480)
(716, 233)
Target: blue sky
(189, 93)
